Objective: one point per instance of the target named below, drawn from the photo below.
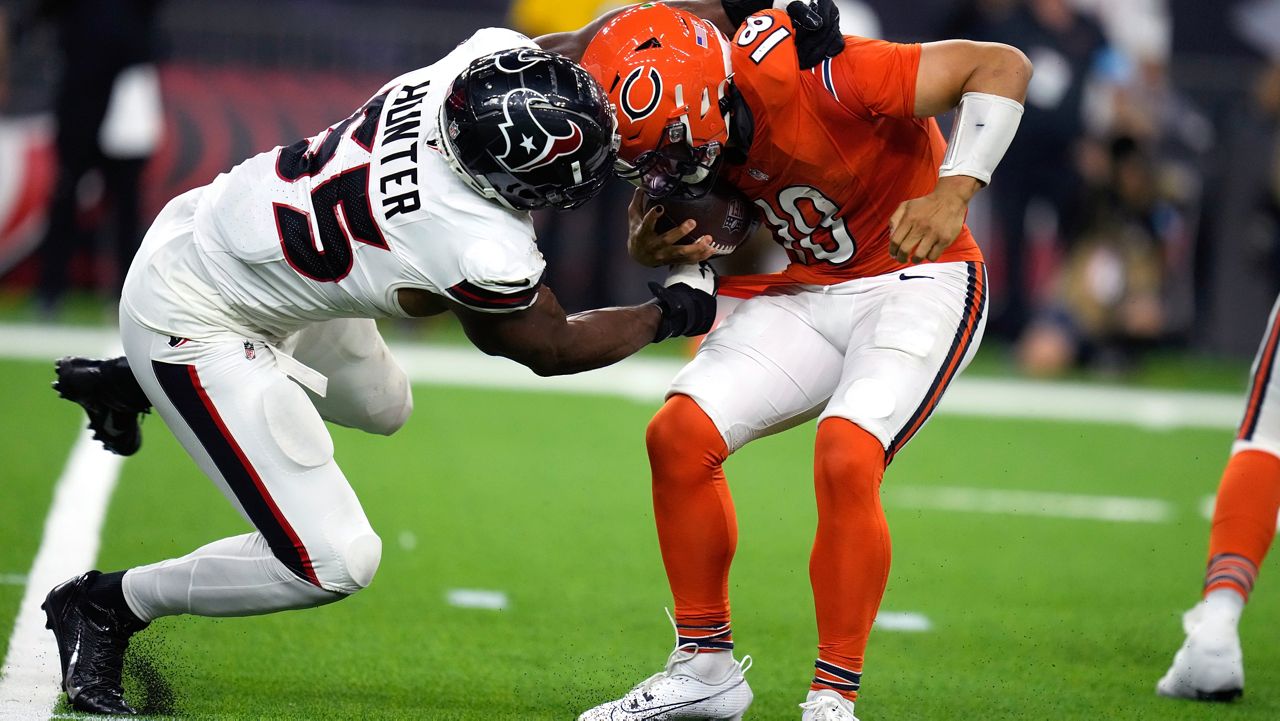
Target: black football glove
(687, 301)
(816, 23)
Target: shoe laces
(680, 654)
(105, 658)
(825, 708)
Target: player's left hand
(921, 229)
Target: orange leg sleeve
(697, 527)
(850, 562)
(1244, 521)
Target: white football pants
(1260, 428)
(877, 351)
(261, 438)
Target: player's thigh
(367, 388)
(255, 433)
(765, 369)
(1260, 424)
(912, 339)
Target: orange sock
(850, 562)
(697, 527)
(1244, 521)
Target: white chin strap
(983, 130)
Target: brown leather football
(724, 213)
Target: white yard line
(13, 579)
(1030, 503)
(29, 685)
(646, 379)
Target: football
(724, 213)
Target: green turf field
(1032, 617)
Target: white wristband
(984, 127)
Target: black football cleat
(110, 396)
(91, 646)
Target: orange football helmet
(666, 72)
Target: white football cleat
(685, 689)
(827, 706)
(1210, 665)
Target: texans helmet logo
(634, 110)
(529, 143)
(518, 61)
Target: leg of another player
(1210, 665)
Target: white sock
(712, 665)
(1224, 605)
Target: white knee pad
(361, 558)
(390, 409)
(295, 425)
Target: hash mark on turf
(476, 598)
(13, 579)
(903, 621)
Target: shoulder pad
(764, 50)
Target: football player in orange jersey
(856, 182)
(1209, 666)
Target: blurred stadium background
(1133, 233)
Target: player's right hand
(651, 248)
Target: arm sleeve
(873, 78)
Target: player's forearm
(597, 338)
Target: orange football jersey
(835, 150)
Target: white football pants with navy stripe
(878, 351)
(1260, 427)
(260, 437)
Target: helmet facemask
(674, 168)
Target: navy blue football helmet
(529, 129)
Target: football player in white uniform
(247, 320)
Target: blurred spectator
(1041, 164)
(1108, 298)
(858, 18)
(108, 120)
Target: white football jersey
(334, 225)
